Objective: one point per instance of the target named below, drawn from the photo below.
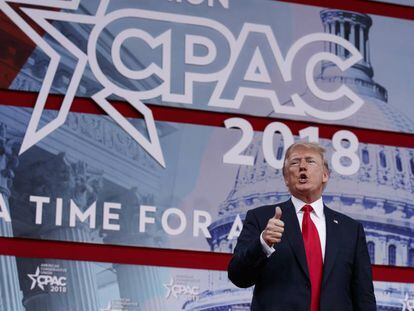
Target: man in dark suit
(301, 255)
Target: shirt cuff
(268, 250)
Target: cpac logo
(230, 63)
(408, 304)
(42, 280)
(176, 290)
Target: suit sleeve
(362, 287)
(248, 258)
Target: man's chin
(301, 193)
(304, 189)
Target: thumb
(278, 213)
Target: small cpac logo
(42, 280)
(176, 290)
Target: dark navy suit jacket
(282, 280)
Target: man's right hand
(273, 232)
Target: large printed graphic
(257, 72)
(193, 61)
(78, 285)
(107, 179)
(110, 191)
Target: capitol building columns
(353, 27)
(67, 186)
(136, 282)
(404, 253)
(362, 42)
(387, 249)
(382, 247)
(10, 294)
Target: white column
(362, 41)
(403, 260)
(368, 51)
(342, 33)
(330, 43)
(139, 283)
(352, 34)
(336, 30)
(10, 294)
(381, 252)
(82, 287)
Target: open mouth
(303, 178)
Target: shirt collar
(317, 205)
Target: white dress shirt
(317, 216)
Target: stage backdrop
(161, 123)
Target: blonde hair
(308, 145)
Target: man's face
(305, 174)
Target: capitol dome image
(380, 195)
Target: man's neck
(317, 204)
(307, 199)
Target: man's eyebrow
(299, 158)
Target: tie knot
(307, 208)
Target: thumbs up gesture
(273, 232)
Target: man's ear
(325, 176)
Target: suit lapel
(332, 242)
(294, 235)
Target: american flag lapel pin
(335, 221)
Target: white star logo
(408, 304)
(169, 288)
(34, 277)
(99, 21)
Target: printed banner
(78, 285)
(108, 179)
(332, 67)
(87, 182)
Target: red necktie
(313, 255)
